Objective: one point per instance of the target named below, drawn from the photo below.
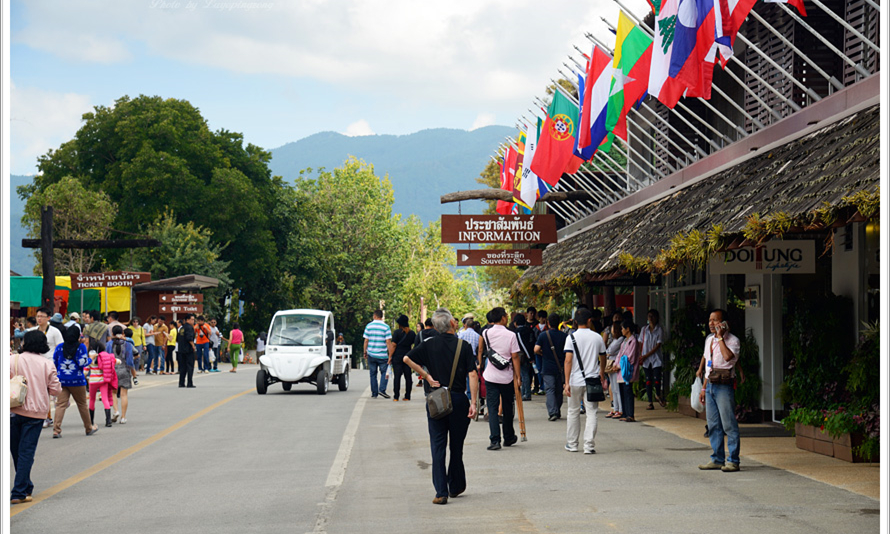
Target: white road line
(341, 461)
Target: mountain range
(421, 167)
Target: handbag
(559, 375)
(18, 387)
(438, 402)
(500, 363)
(595, 391)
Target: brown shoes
(440, 500)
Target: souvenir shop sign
(110, 279)
(180, 298)
(522, 258)
(774, 257)
(499, 229)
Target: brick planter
(684, 407)
(810, 438)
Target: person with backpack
(124, 368)
(551, 346)
(526, 337)
(402, 342)
(102, 378)
(70, 359)
(630, 369)
(202, 345)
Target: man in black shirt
(186, 340)
(437, 355)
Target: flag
(554, 150)
(666, 89)
(594, 104)
(692, 55)
(796, 3)
(529, 186)
(517, 176)
(630, 75)
(728, 18)
(508, 170)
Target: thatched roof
(795, 178)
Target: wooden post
(47, 297)
(609, 305)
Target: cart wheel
(261, 382)
(322, 382)
(343, 383)
(287, 385)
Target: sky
(279, 71)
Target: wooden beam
(45, 244)
(507, 196)
(78, 244)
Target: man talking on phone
(718, 393)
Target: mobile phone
(724, 326)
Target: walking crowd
(94, 358)
(581, 361)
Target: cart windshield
(297, 330)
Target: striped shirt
(377, 333)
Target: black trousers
(400, 369)
(450, 431)
(495, 394)
(186, 368)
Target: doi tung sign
(774, 257)
(499, 229)
(110, 279)
(522, 258)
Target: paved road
(221, 458)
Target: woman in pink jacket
(27, 420)
(103, 378)
(629, 349)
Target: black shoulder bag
(595, 391)
(438, 402)
(561, 374)
(500, 363)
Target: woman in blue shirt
(71, 358)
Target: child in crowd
(102, 380)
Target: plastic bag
(241, 355)
(695, 396)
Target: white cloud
(358, 129)
(483, 120)
(40, 120)
(482, 53)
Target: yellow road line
(83, 475)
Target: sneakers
(124, 421)
(570, 448)
(495, 446)
(730, 467)
(552, 418)
(114, 417)
(712, 466)
(590, 451)
(383, 394)
(47, 423)
(135, 381)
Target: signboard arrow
(181, 308)
(522, 257)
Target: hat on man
(467, 316)
(74, 316)
(402, 320)
(56, 318)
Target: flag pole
(847, 26)
(561, 210)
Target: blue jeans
(23, 435)
(373, 365)
(525, 373)
(720, 406)
(202, 353)
(216, 357)
(154, 359)
(553, 388)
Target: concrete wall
(765, 323)
(848, 269)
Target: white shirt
(148, 328)
(260, 344)
(53, 338)
(650, 338)
(590, 346)
(712, 346)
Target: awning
(795, 178)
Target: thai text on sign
(180, 308)
(499, 229)
(109, 279)
(180, 298)
(524, 257)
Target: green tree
(151, 155)
(77, 214)
(187, 249)
(346, 244)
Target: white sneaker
(114, 417)
(570, 448)
(47, 423)
(124, 421)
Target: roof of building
(188, 282)
(795, 178)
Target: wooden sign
(180, 298)
(522, 258)
(180, 308)
(499, 229)
(110, 279)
